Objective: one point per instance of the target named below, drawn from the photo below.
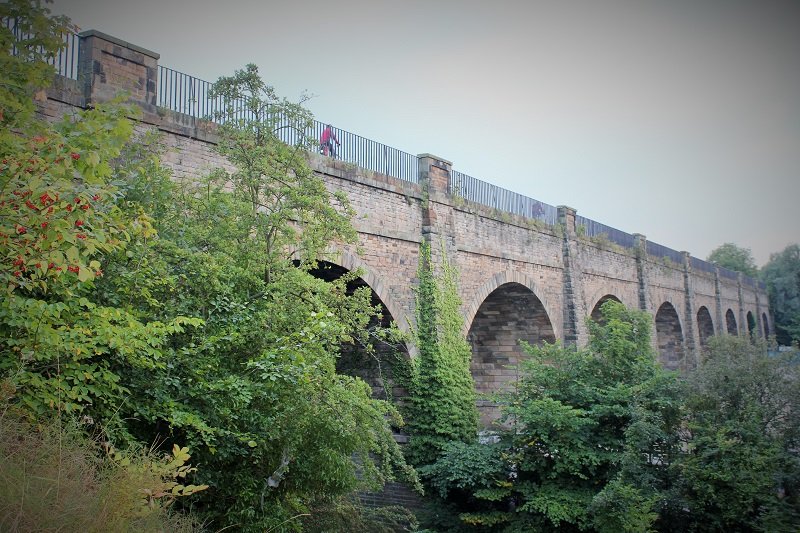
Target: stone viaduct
(533, 275)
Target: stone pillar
(743, 325)
(759, 322)
(566, 218)
(719, 319)
(692, 336)
(109, 66)
(640, 244)
(434, 176)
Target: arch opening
(510, 313)
(669, 337)
(596, 315)
(705, 326)
(355, 360)
(751, 325)
(730, 322)
(765, 324)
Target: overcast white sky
(678, 119)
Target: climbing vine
(441, 389)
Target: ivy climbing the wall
(441, 389)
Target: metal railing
(65, 61)
(592, 228)
(658, 250)
(727, 273)
(191, 96)
(703, 266)
(484, 193)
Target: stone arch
(705, 326)
(595, 314)
(766, 325)
(752, 327)
(510, 313)
(374, 368)
(730, 322)
(501, 278)
(669, 337)
(351, 262)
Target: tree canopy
(782, 276)
(734, 257)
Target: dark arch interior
(705, 326)
(596, 315)
(730, 322)
(669, 337)
(511, 313)
(765, 325)
(355, 360)
(751, 324)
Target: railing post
(109, 66)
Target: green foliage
(37, 40)
(441, 389)
(733, 257)
(741, 469)
(176, 313)
(590, 438)
(782, 276)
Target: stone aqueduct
(519, 278)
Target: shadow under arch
(669, 337)
(765, 325)
(499, 279)
(730, 322)
(596, 314)
(705, 326)
(751, 325)
(509, 314)
(373, 366)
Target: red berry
(75, 156)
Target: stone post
(109, 66)
(640, 244)
(692, 336)
(437, 211)
(722, 326)
(743, 325)
(566, 218)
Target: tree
(782, 276)
(733, 257)
(255, 391)
(740, 470)
(592, 433)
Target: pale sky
(677, 119)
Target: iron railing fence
(727, 273)
(592, 228)
(191, 96)
(659, 250)
(703, 266)
(484, 193)
(65, 61)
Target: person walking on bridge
(326, 141)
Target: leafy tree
(255, 392)
(590, 440)
(741, 466)
(733, 257)
(782, 276)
